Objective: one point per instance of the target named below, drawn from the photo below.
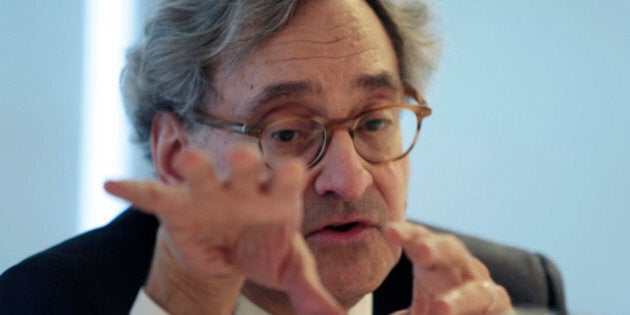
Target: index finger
(429, 249)
(414, 240)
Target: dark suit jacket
(100, 272)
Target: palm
(246, 225)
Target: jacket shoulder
(531, 279)
(98, 272)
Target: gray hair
(186, 41)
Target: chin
(353, 270)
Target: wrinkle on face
(333, 36)
(332, 46)
(353, 32)
(320, 57)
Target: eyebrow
(384, 79)
(283, 89)
(279, 90)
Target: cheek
(392, 180)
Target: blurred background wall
(529, 142)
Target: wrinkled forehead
(329, 22)
(315, 22)
(328, 44)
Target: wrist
(178, 291)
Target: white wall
(528, 144)
(43, 99)
(40, 94)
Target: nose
(342, 171)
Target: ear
(169, 138)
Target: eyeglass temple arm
(213, 122)
(413, 93)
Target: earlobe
(168, 139)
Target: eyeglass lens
(379, 136)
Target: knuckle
(454, 242)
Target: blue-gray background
(529, 143)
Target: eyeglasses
(382, 134)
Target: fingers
(275, 257)
(264, 247)
(155, 197)
(248, 175)
(303, 285)
(150, 196)
(289, 177)
(475, 297)
(447, 278)
(246, 220)
(430, 250)
(286, 188)
(248, 172)
(198, 171)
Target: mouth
(342, 228)
(342, 232)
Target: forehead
(330, 49)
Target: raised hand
(216, 232)
(447, 278)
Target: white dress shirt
(144, 305)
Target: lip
(341, 232)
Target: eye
(375, 124)
(288, 131)
(285, 135)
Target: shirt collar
(245, 307)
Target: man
(279, 134)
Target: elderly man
(280, 133)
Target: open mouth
(342, 231)
(342, 228)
